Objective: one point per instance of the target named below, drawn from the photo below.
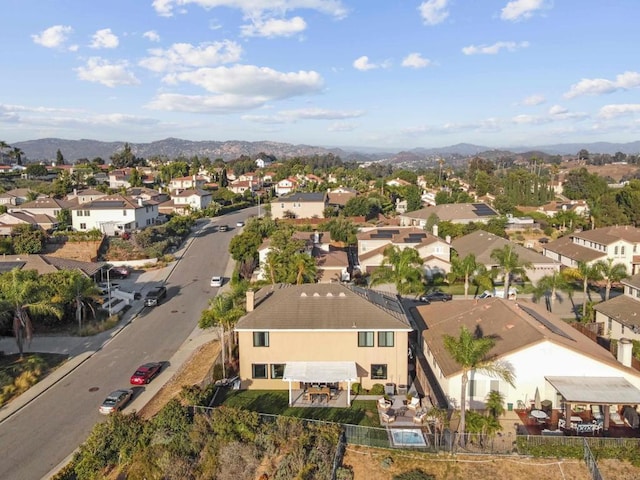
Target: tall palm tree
(3, 146)
(79, 291)
(16, 154)
(224, 313)
(611, 272)
(510, 264)
(549, 285)
(21, 298)
(402, 268)
(463, 268)
(471, 352)
(584, 273)
(304, 268)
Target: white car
(216, 281)
(240, 224)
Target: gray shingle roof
(482, 244)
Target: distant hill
(72, 150)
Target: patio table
(539, 415)
(319, 391)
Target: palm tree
(548, 286)
(224, 313)
(611, 272)
(16, 154)
(471, 353)
(585, 273)
(464, 268)
(21, 296)
(81, 292)
(401, 267)
(304, 268)
(495, 403)
(510, 264)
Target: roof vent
(303, 294)
(316, 294)
(341, 294)
(329, 294)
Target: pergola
(320, 372)
(604, 391)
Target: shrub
(356, 388)
(377, 389)
(415, 474)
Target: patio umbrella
(536, 400)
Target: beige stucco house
(330, 327)
(300, 205)
(461, 213)
(619, 317)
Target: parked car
(223, 228)
(513, 293)
(119, 272)
(115, 401)
(154, 296)
(216, 281)
(436, 297)
(240, 224)
(145, 373)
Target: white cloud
(415, 60)
(599, 86)
(529, 120)
(181, 56)
(618, 110)
(273, 27)
(291, 116)
(204, 104)
(520, 9)
(110, 74)
(434, 11)
(152, 36)
(342, 127)
(494, 49)
(362, 63)
(558, 110)
(53, 37)
(532, 100)
(104, 39)
(255, 8)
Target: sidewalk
(80, 349)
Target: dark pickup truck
(154, 296)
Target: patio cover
(320, 372)
(596, 390)
(316, 372)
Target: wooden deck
(534, 427)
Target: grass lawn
(361, 412)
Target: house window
(365, 339)
(260, 339)
(259, 370)
(79, 213)
(472, 388)
(385, 339)
(622, 329)
(83, 226)
(277, 370)
(87, 213)
(615, 250)
(610, 324)
(379, 371)
(622, 250)
(124, 213)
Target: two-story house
(188, 182)
(322, 333)
(299, 205)
(120, 178)
(114, 215)
(461, 213)
(85, 195)
(619, 317)
(190, 200)
(619, 243)
(434, 251)
(9, 220)
(286, 186)
(45, 206)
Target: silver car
(116, 401)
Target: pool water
(406, 437)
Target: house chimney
(75, 192)
(625, 351)
(251, 300)
(434, 229)
(447, 239)
(140, 201)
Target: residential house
(45, 206)
(299, 205)
(462, 213)
(619, 317)
(241, 186)
(263, 162)
(286, 186)
(85, 195)
(187, 183)
(148, 194)
(543, 352)
(321, 328)
(49, 264)
(398, 182)
(114, 214)
(16, 196)
(120, 178)
(482, 244)
(579, 207)
(186, 201)
(338, 197)
(11, 219)
(434, 251)
(618, 243)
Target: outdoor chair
(388, 417)
(562, 423)
(596, 412)
(414, 404)
(384, 404)
(419, 417)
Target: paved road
(36, 438)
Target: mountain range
(72, 150)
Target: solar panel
(107, 203)
(483, 210)
(384, 301)
(418, 235)
(545, 322)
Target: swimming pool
(407, 437)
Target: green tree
(27, 238)
(495, 403)
(224, 313)
(16, 154)
(412, 196)
(79, 291)
(584, 273)
(510, 264)
(20, 296)
(471, 352)
(36, 170)
(342, 230)
(611, 273)
(59, 158)
(358, 206)
(135, 180)
(403, 268)
(464, 268)
(548, 287)
(64, 217)
(304, 267)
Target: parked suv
(154, 296)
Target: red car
(145, 373)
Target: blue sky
(393, 74)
